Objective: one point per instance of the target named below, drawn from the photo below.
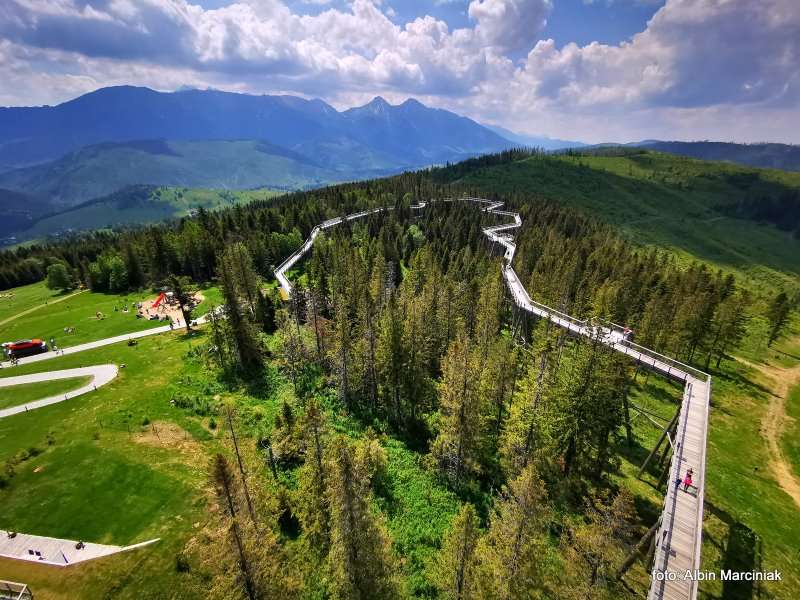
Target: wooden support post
(664, 474)
(628, 429)
(661, 439)
(631, 558)
(668, 447)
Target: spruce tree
(455, 450)
(455, 564)
(512, 553)
(360, 559)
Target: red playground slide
(159, 300)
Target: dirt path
(38, 306)
(772, 424)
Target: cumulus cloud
(694, 58)
(510, 24)
(693, 53)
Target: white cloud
(696, 61)
(509, 24)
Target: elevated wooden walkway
(679, 538)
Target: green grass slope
(17, 300)
(100, 170)
(678, 203)
(78, 312)
(20, 394)
(137, 205)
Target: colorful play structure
(161, 297)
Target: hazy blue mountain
(544, 142)
(18, 210)
(359, 138)
(101, 169)
(776, 156)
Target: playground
(164, 308)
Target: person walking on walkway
(687, 481)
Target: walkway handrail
(688, 369)
(613, 337)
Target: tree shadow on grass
(741, 552)
(787, 354)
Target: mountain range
(53, 158)
(372, 137)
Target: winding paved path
(100, 374)
(89, 346)
(679, 538)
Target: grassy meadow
(28, 297)
(27, 392)
(79, 312)
(664, 200)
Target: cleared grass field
(17, 300)
(91, 468)
(20, 394)
(79, 312)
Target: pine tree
(511, 554)
(184, 292)
(455, 450)
(312, 498)
(391, 358)
(455, 564)
(526, 429)
(292, 349)
(225, 488)
(729, 325)
(489, 312)
(778, 316)
(248, 351)
(594, 545)
(360, 558)
(134, 267)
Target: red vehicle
(25, 348)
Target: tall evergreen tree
(360, 558)
(455, 450)
(455, 565)
(778, 316)
(512, 553)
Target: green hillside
(138, 205)
(695, 208)
(100, 170)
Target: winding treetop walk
(679, 533)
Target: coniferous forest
(399, 328)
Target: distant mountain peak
(377, 137)
(378, 106)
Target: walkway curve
(679, 538)
(100, 374)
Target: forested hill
(744, 220)
(774, 156)
(740, 218)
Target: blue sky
(592, 70)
